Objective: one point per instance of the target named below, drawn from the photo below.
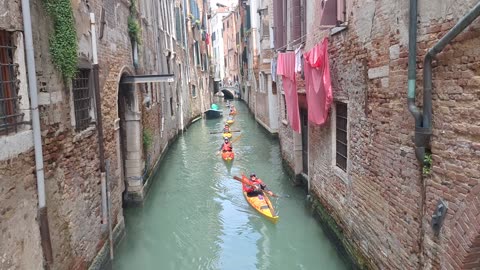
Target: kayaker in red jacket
(255, 185)
(226, 146)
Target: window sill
(340, 174)
(338, 29)
(84, 133)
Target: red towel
(286, 69)
(317, 83)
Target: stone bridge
(229, 91)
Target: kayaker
(226, 128)
(226, 145)
(255, 186)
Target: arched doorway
(131, 140)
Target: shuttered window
(178, 26)
(341, 139)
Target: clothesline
(288, 44)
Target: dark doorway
(304, 125)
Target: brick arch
(125, 70)
(464, 243)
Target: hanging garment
(286, 69)
(318, 83)
(273, 66)
(298, 60)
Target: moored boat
(212, 114)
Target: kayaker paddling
(255, 186)
(226, 128)
(226, 145)
(255, 192)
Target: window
(341, 136)
(171, 106)
(194, 91)
(265, 24)
(82, 99)
(284, 111)
(274, 88)
(333, 12)
(10, 115)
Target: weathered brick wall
(20, 245)
(285, 132)
(382, 203)
(261, 108)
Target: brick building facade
(132, 114)
(376, 192)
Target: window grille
(341, 136)
(10, 116)
(82, 102)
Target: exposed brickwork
(382, 203)
(72, 169)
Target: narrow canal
(195, 215)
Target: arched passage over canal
(195, 215)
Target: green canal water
(195, 215)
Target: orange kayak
(262, 204)
(228, 155)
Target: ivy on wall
(133, 25)
(63, 40)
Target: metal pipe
(98, 103)
(37, 137)
(437, 48)
(99, 120)
(412, 63)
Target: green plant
(133, 25)
(147, 139)
(63, 40)
(427, 164)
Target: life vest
(227, 147)
(252, 185)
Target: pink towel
(317, 83)
(286, 69)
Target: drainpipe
(422, 135)
(437, 48)
(37, 137)
(99, 120)
(423, 121)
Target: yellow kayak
(230, 122)
(228, 135)
(262, 204)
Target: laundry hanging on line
(286, 69)
(318, 83)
